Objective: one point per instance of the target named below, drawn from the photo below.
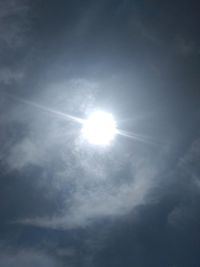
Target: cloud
(98, 193)
(186, 211)
(8, 76)
(93, 183)
(186, 47)
(13, 26)
(45, 134)
(23, 153)
(25, 258)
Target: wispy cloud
(186, 211)
(94, 183)
(14, 25)
(98, 193)
(24, 257)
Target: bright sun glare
(99, 128)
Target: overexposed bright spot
(99, 128)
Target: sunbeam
(99, 129)
(47, 109)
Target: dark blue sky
(64, 202)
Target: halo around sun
(99, 128)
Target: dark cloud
(25, 258)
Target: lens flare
(99, 129)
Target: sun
(100, 128)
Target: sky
(65, 202)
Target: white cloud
(95, 197)
(98, 183)
(24, 153)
